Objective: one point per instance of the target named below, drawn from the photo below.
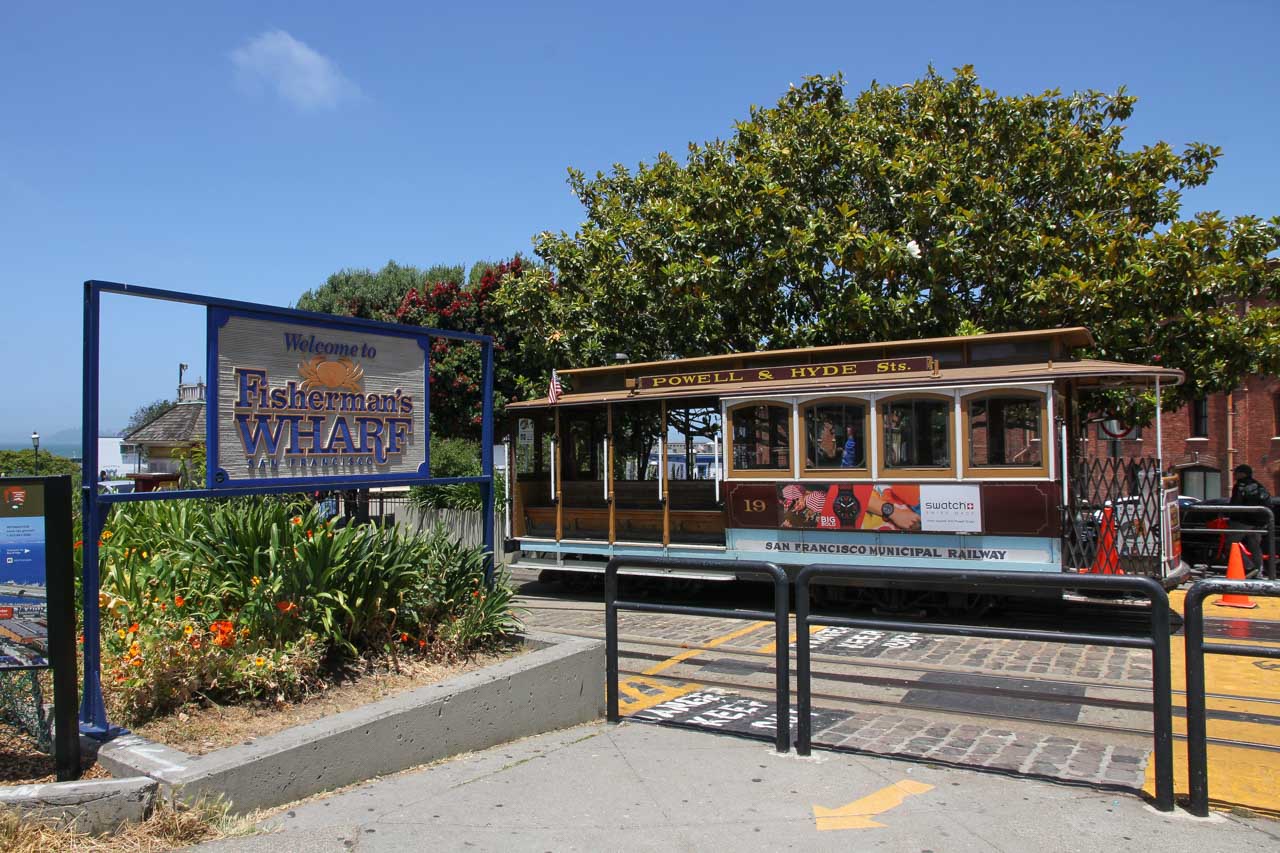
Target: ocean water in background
(7, 600)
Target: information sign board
(294, 401)
(24, 610)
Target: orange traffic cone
(1235, 572)
(1107, 560)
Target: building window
(1005, 431)
(761, 438)
(1200, 418)
(835, 436)
(917, 433)
(1202, 483)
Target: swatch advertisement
(900, 507)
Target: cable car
(959, 452)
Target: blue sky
(248, 150)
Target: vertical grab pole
(611, 641)
(1162, 695)
(803, 710)
(782, 691)
(486, 460)
(93, 711)
(1197, 748)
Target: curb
(96, 807)
(557, 683)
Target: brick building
(1205, 440)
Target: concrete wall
(558, 683)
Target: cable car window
(761, 438)
(917, 433)
(1005, 431)
(835, 435)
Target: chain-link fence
(22, 705)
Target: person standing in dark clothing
(1247, 491)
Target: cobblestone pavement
(949, 707)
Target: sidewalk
(647, 787)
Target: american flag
(554, 390)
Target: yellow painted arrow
(858, 814)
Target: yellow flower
(260, 661)
(121, 633)
(187, 630)
(144, 555)
(255, 580)
(106, 534)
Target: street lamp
(35, 447)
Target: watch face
(846, 507)
(886, 509)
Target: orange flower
(224, 641)
(222, 626)
(195, 642)
(475, 594)
(136, 662)
(79, 544)
(135, 650)
(81, 639)
(133, 629)
(422, 644)
(101, 544)
(179, 601)
(119, 678)
(308, 534)
(404, 638)
(296, 520)
(286, 606)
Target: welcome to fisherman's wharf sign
(295, 401)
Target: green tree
(435, 297)
(23, 463)
(147, 413)
(934, 208)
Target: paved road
(1073, 713)
(643, 787)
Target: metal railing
(986, 582)
(1197, 738)
(1240, 511)
(779, 618)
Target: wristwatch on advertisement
(886, 510)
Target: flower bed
(260, 599)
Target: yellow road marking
(711, 644)
(1268, 609)
(858, 814)
(770, 648)
(639, 693)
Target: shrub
(455, 457)
(244, 598)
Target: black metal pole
(1161, 695)
(782, 689)
(60, 590)
(611, 640)
(804, 712)
(1197, 746)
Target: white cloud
(298, 74)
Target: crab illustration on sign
(321, 372)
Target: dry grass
(202, 727)
(168, 828)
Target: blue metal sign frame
(93, 715)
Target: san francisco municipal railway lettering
(303, 427)
(887, 550)
(871, 367)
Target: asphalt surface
(645, 787)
